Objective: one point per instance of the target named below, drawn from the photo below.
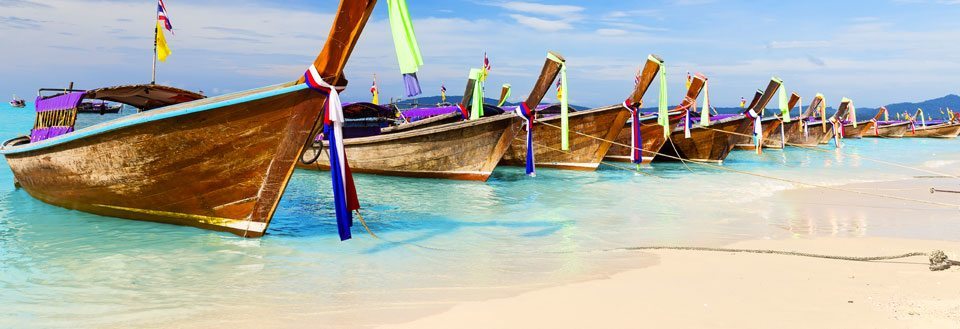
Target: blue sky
(875, 52)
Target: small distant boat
(18, 102)
(439, 143)
(219, 163)
(888, 128)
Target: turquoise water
(443, 241)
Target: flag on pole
(375, 92)
(485, 68)
(162, 16)
(443, 93)
(163, 22)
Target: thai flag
(486, 62)
(162, 15)
(344, 191)
(443, 89)
(373, 87)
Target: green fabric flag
(564, 104)
(663, 118)
(705, 111)
(477, 101)
(784, 107)
(404, 40)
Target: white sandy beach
(725, 290)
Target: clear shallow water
(458, 240)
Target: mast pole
(153, 79)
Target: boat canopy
(417, 114)
(144, 96)
(364, 110)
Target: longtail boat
(713, 141)
(888, 128)
(603, 124)
(851, 130)
(708, 142)
(766, 125)
(435, 148)
(787, 123)
(652, 137)
(218, 163)
(934, 128)
(836, 124)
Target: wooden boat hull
(465, 150)
(895, 130)
(950, 130)
(706, 144)
(218, 163)
(652, 137)
(849, 131)
(585, 152)
(769, 126)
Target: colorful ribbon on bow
(477, 102)
(705, 111)
(405, 43)
(564, 103)
(663, 118)
(784, 107)
(852, 113)
(528, 116)
(757, 130)
(636, 140)
(344, 191)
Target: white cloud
(611, 32)
(540, 9)
(542, 24)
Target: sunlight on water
(443, 241)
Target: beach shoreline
(693, 289)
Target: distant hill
(931, 107)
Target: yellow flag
(162, 50)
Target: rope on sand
(938, 259)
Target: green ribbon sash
(564, 104)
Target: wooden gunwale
(946, 130)
(894, 130)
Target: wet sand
(725, 290)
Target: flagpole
(153, 79)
